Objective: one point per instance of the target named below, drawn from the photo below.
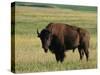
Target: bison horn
(38, 33)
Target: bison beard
(58, 38)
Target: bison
(59, 37)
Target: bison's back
(66, 34)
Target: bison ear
(38, 33)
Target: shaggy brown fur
(64, 37)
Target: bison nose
(45, 49)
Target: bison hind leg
(81, 53)
(86, 53)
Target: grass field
(29, 55)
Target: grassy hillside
(29, 55)
(62, 6)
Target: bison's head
(45, 37)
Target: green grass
(29, 55)
(62, 6)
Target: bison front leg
(57, 57)
(73, 50)
(60, 56)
